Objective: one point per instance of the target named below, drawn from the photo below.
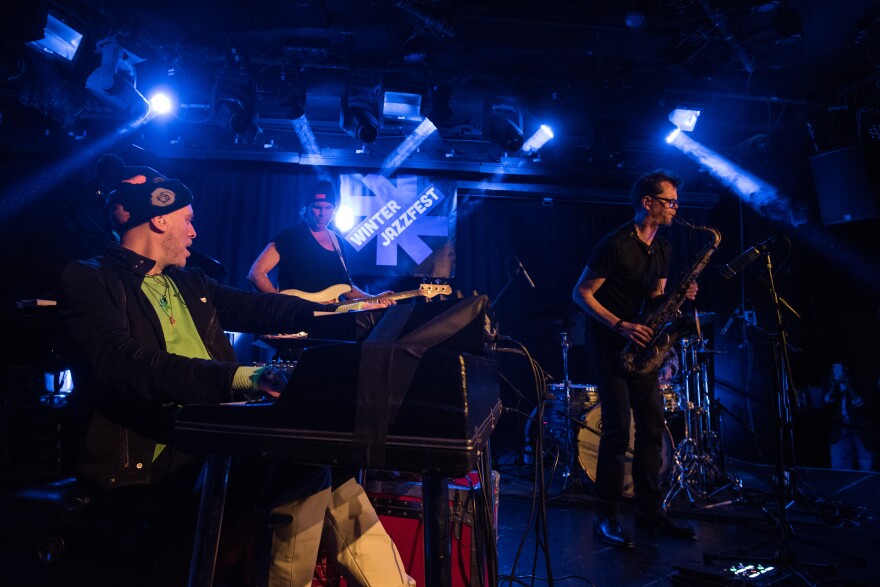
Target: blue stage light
(538, 140)
(160, 103)
(114, 82)
(344, 218)
(402, 106)
(684, 118)
(59, 40)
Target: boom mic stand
(783, 556)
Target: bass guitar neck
(332, 295)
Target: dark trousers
(623, 395)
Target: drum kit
(698, 470)
(693, 466)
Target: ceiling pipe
(680, 93)
(721, 24)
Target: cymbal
(707, 317)
(703, 317)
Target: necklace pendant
(172, 320)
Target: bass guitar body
(329, 295)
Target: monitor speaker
(844, 189)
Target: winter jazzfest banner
(402, 226)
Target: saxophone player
(627, 268)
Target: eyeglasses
(670, 202)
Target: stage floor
(832, 521)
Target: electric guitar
(332, 294)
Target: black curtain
(238, 211)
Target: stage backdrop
(401, 226)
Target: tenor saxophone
(641, 360)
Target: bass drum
(588, 449)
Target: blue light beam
(407, 147)
(758, 194)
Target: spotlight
(344, 218)
(358, 116)
(360, 124)
(233, 102)
(635, 20)
(234, 114)
(537, 140)
(684, 118)
(59, 40)
(402, 106)
(502, 123)
(160, 103)
(113, 82)
(292, 98)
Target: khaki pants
(365, 552)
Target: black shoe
(661, 524)
(608, 530)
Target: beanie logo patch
(162, 197)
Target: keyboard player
(145, 334)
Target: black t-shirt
(306, 265)
(630, 268)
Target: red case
(399, 505)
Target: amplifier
(399, 505)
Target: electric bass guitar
(332, 294)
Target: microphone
(730, 320)
(521, 269)
(745, 258)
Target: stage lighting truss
(114, 82)
(502, 123)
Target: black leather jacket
(130, 386)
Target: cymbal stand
(695, 469)
(569, 443)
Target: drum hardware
(564, 407)
(697, 464)
(672, 399)
(588, 449)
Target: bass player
(310, 257)
(626, 269)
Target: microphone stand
(510, 280)
(511, 277)
(783, 556)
